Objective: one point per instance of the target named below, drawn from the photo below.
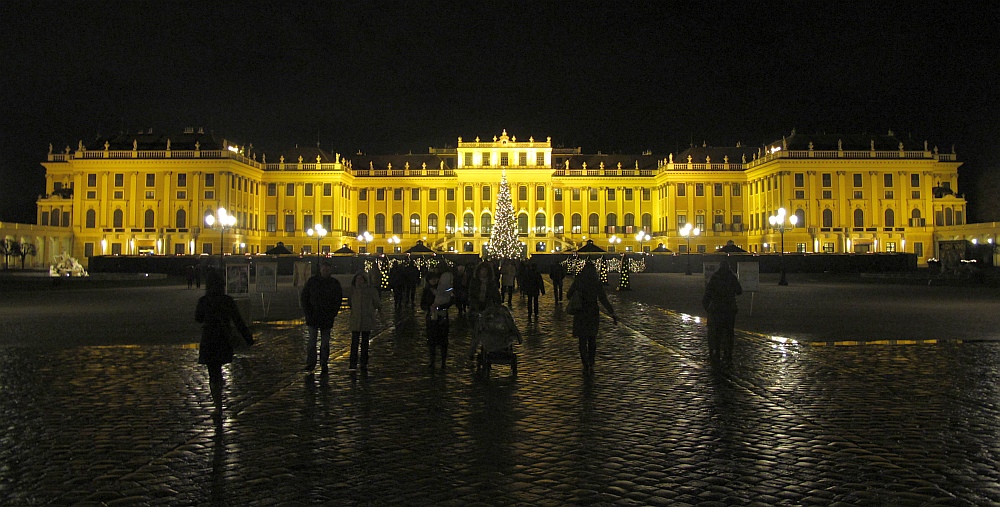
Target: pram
(494, 335)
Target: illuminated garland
(385, 264)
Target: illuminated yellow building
(148, 194)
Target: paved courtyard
(101, 403)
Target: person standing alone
(557, 272)
(320, 299)
(720, 303)
(588, 288)
(365, 303)
(215, 311)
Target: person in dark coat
(557, 273)
(720, 303)
(434, 301)
(215, 311)
(588, 287)
(397, 285)
(484, 289)
(532, 284)
(411, 280)
(365, 304)
(321, 297)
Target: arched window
(890, 218)
(915, 213)
(612, 223)
(363, 222)
(540, 223)
(468, 223)
(117, 218)
(827, 218)
(859, 218)
(800, 218)
(949, 217)
(486, 224)
(628, 221)
(379, 223)
(449, 223)
(180, 220)
(91, 219)
(149, 219)
(55, 217)
(576, 223)
(647, 222)
(432, 223)
(414, 224)
(594, 225)
(557, 223)
(522, 223)
(397, 223)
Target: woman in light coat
(365, 303)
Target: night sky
(396, 77)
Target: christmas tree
(503, 238)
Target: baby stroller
(494, 335)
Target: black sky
(391, 77)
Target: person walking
(532, 285)
(557, 273)
(720, 303)
(434, 301)
(483, 289)
(508, 277)
(588, 288)
(397, 285)
(365, 303)
(320, 299)
(215, 311)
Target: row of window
(503, 160)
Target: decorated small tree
(503, 238)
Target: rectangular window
(858, 180)
(487, 192)
(800, 180)
(828, 194)
(450, 194)
(717, 189)
(309, 191)
(800, 194)
(827, 180)
(150, 180)
(486, 159)
(890, 246)
(576, 194)
(362, 194)
(887, 180)
(289, 189)
(629, 194)
(682, 220)
(328, 222)
(915, 194)
(611, 194)
(522, 193)
(380, 194)
(272, 223)
(858, 194)
(182, 179)
(593, 194)
(914, 180)
(150, 194)
(522, 159)
(272, 189)
(468, 192)
(504, 159)
(646, 194)
(182, 194)
(540, 192)
(119, 194)
(737, 189)
(289, 223)
(699, 189)
(681, 189)
(918, 250)
(468, 159)
(119, 180)
(307, 222)
(210, 194)
(92, 194)
(432, 194)
(91, 180)
(210, 179)
(557, 194)
(699, 222)
(397, 194)
(888, 194)
(540, 159)
(327, 190)
(828, 247)
(414, 194)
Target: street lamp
(689, 231)
(640, 237)
(394, 241)
(320, 232)
(367, 238)
(778, 223)
(224, 221)
(614, 240)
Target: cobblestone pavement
(789, 424)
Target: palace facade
(149, 193)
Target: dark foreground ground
(101, 403)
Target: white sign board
(749, 275)
(237, 279)
(302, 271)
(267, 277)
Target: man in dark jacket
(532, 285)
(320, 299)
(720, 303)
(557, 272)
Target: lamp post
(224, 221)
(778, 223)
(320, 232)
(367, 238)
(394, 241)
(640, 237)
(689, 231)
(614, 240)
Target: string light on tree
(624, 269)
(504, 243)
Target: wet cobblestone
(789, 424)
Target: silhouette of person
(720, 303)
(215, 312)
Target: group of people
(478, 291)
